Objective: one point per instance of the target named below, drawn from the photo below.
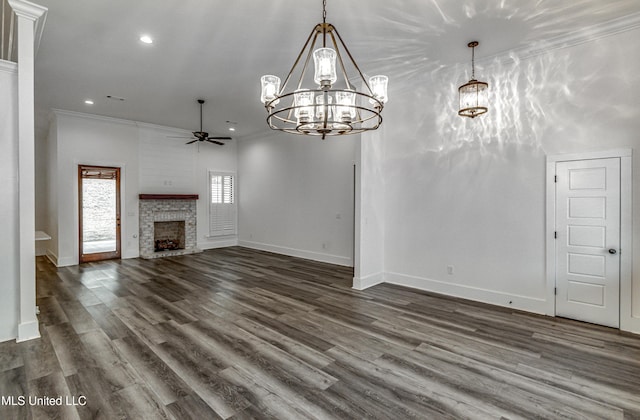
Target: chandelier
(473, 94)
(333, 105)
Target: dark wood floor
(236, 333)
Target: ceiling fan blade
(216, 142)
(178, 137)
(219, 138)
(192, 141)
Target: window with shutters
(222, 204)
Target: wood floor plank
(235, 333)
(154, 372)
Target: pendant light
(473, 94)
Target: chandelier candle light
(473, 94)
(333, 106)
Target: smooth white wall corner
(370, 211)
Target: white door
(588, 241)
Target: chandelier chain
(324, 11)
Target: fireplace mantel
(168, 196)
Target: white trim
(596, 154)
(627, 321)
(213, 242)
(8, 67)
(157, 127)
(52, 257)
(300, 253)
(362, 283)
(74, 114)
(34, 12)
(27, 10)
(28, 331)
(524, 303)
(121, 121)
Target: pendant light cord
(473, 62)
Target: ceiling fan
(203, 135)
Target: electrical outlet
(450, 269)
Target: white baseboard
(130, 253)
(523, 303)
(52, 257)
(212, 243)
(66, 262)
(28, 331)
(361, 283)
(631, 324)
(300, 253)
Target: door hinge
(555, 178)
(555, 235)
(555, 290)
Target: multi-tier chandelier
(333, 106)
(473, 94)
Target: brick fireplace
(167, 225)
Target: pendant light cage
(340, 100)
(473, 95)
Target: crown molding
(35, 12)
(120, 121)
(8, 67)
(82, 115)
(150, 126)
(589, 34)
(28, 10)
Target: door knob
(612, 251)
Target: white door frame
(626, 253)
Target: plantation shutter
(222, 205)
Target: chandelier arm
(311, 35)
(344, 70)
(307, 60)
(312, 38)
(352, 60)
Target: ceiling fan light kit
(334, 106)
(473, 95)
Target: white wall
(9, 263)
(150, 162)
(83, 139)
(296, 196)
(169, 166)
(471, 193)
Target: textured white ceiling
(217, 50)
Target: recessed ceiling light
(88, 102)
(232, 129)
(146, 39)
